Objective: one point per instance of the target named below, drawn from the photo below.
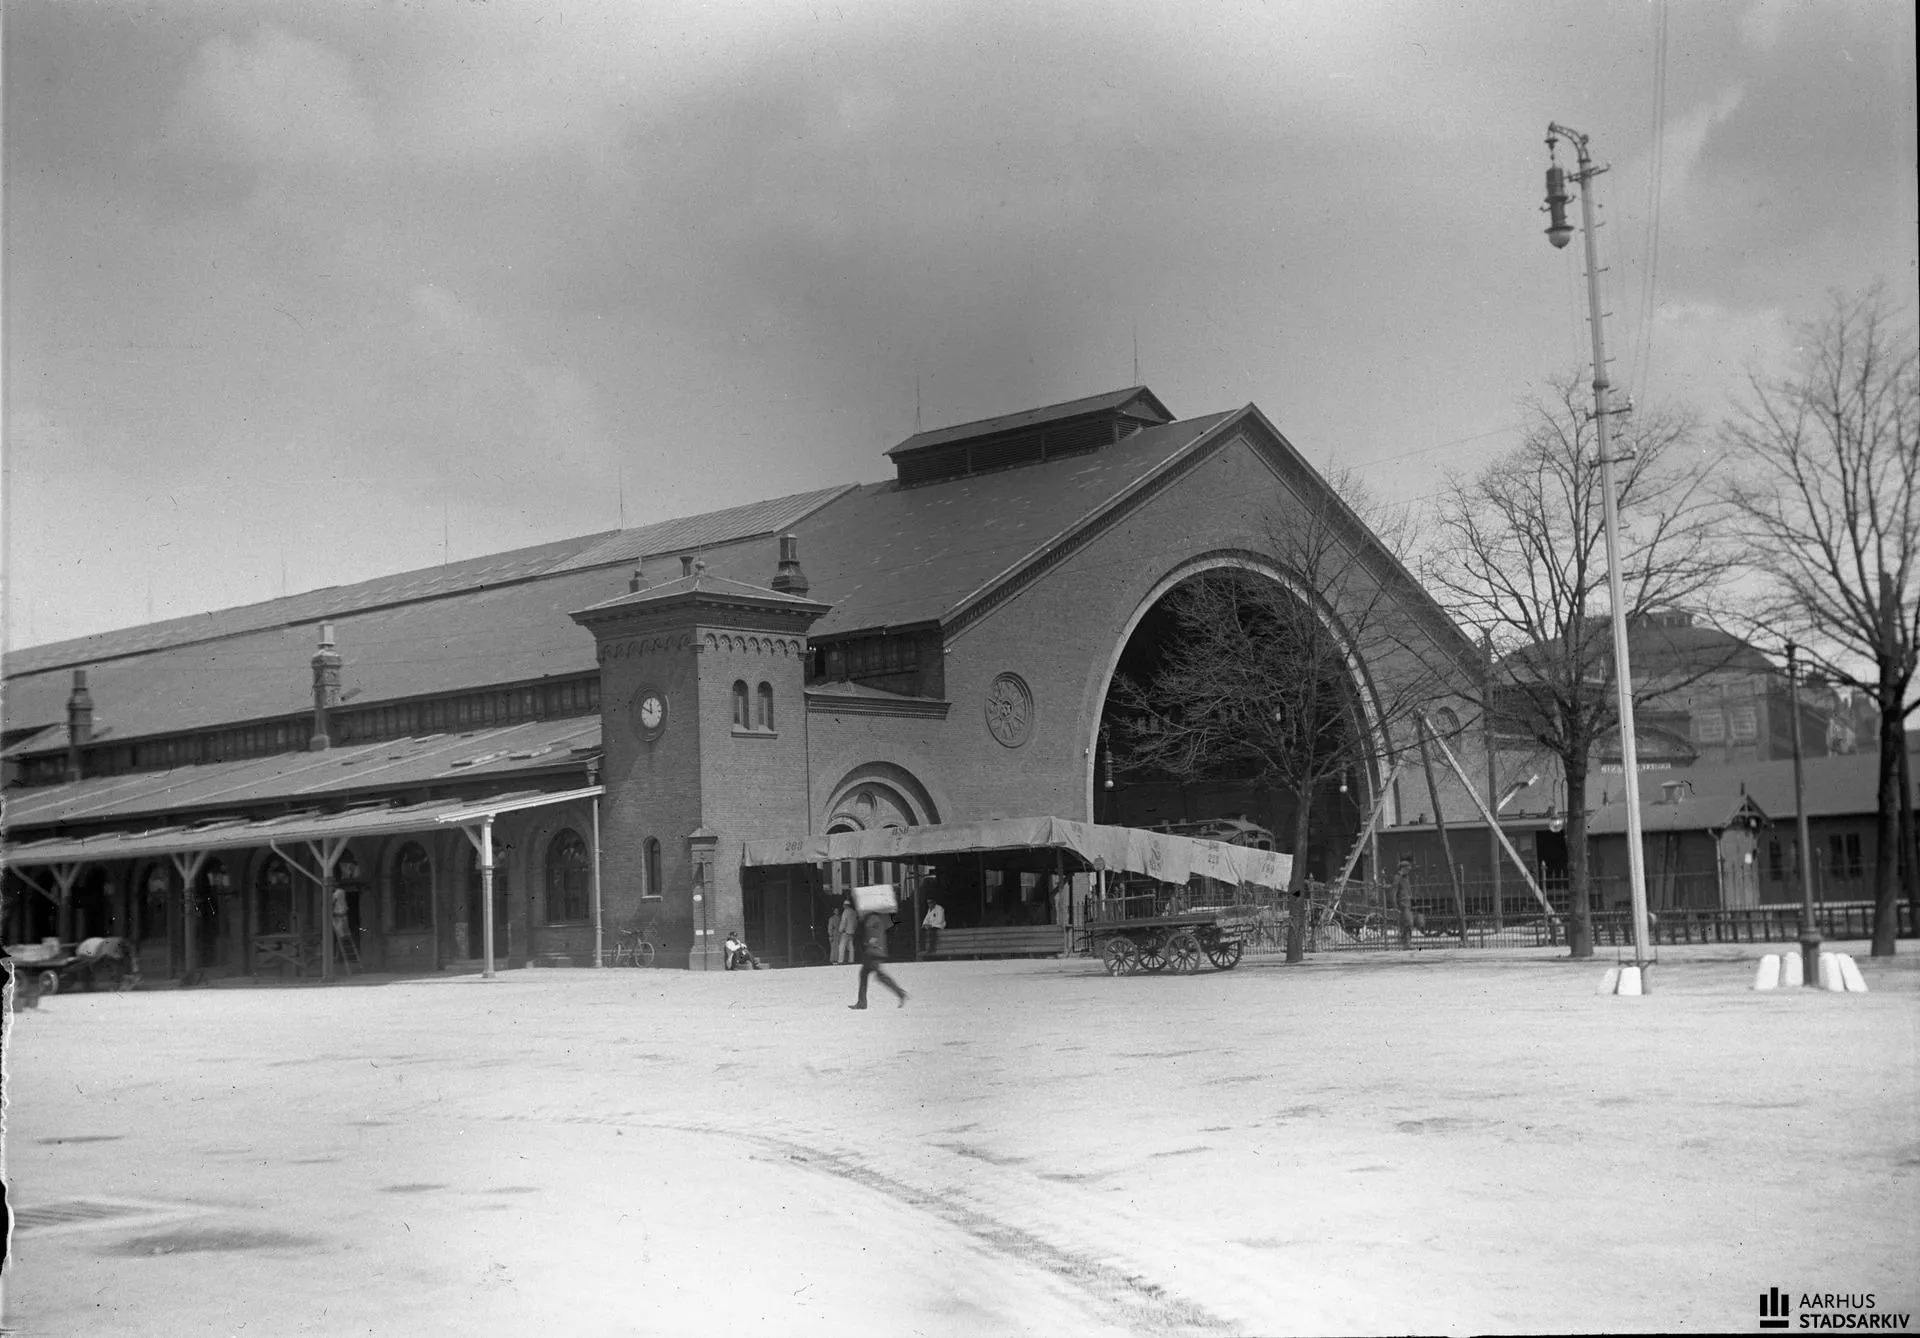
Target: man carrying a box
(873, 949)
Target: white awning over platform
(1162, 855)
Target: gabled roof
(1138, 400)
(702, 587)
(887, 556)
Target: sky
(300, 294)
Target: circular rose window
(1010, 710)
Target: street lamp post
(1809, 932)
(1560, 232)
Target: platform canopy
(238, 833)
(1162, 855)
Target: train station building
(614, 726)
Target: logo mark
(1773, 1308)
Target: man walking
(873, 958)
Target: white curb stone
(1830, 977)
(1629, 980)
(1768, 976)
(1793, 972)
(1610, 982)
(1850, 974)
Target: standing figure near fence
(1403, 899)
(935, 921)
(873, 958)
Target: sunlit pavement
(1442, 1141)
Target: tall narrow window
(740, 720)
(569, 878)
(766, 706)
(651, 851)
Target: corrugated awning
(1161, 855)
(239, 833)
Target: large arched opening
(1215, 793)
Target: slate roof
(882, 555)
(1051, 413)
(1835, 787)
(891, 556)
(496, 620)
(507, 752)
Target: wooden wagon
(1161, 930)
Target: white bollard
(1629, 980)
(1768, 976)
(1610, 982)
(1830, 977)
(1793, 971)
(1850, 975)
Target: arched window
(651, 851)
(569, 878)
(766, 706)
(740, 720)
(412, 889)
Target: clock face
(649, 713)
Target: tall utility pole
(1560, 232)
(1809, 932)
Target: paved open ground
(1448, 1142)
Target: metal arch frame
(1260, 566)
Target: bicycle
(635, 947)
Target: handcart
(1161, 931)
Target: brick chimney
(326, 687)
(638, 581)
(79, 724)
(686, 564)
(790, 580)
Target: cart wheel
(1183, 954)
(1153, 955)
(1225, 954)
(1121, 957)
(49, 982)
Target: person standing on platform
(933, 923)
(845, 925)
(873, 958)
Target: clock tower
(702, 709)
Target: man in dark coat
(873, 958)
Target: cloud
(276, 100)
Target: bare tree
(1827, 461)
(1264, 679)
(1519, 556)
